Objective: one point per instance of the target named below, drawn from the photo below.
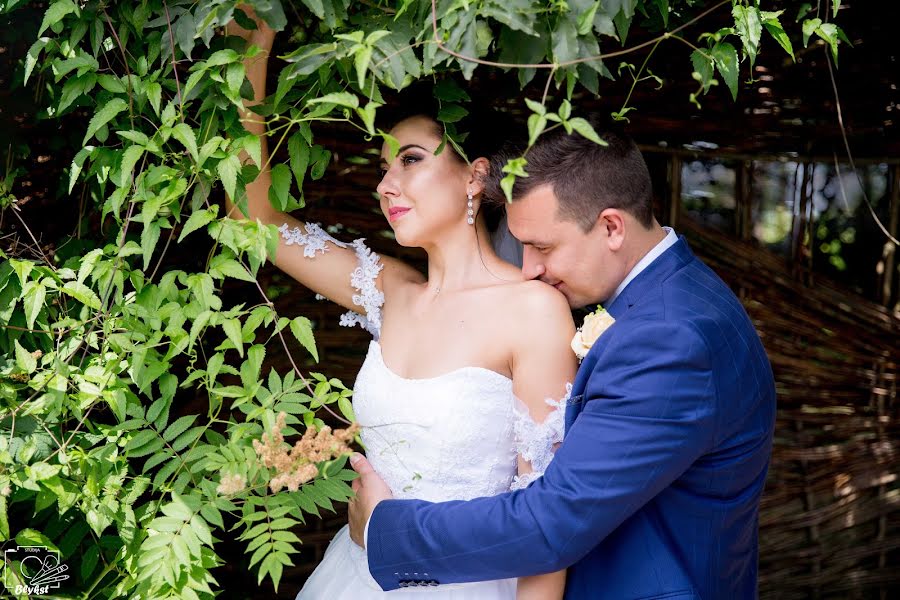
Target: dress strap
(535, 442)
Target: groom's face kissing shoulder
(585, 266)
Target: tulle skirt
(344, 574)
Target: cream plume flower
(594, 324)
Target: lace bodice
(449, 437)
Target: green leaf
(74, 88)
(536, 125)
(129, 159)
(346, 408)
(4, 520)
(149, 238)
(228, 169)
(565, 42)
(34, 293)
(585, 129)
(178, 427)
(319, 158)
(33, 537)
(199, 218)
(367, 115)
(273, 14)
(33, 54)
(809, 27)
(280, 188)
(585, 21)
(749, 27)
(154, 94)
(113, 84)
(361, 62)
(829, 33)
(726, 59)
(77, 163)
(55, 14)
(222, 57)
(307, 59)
(184, 134)
(703, 66)
(234, 77)
(24, 359)
(228, 267)
(22, 268)
(340, 98)
(451, 113)
(301, 327)
(298, 152)
(82, 293)
(104, 116)
(232, 328)
(773, 26)
(142, 438)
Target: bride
(453, 396)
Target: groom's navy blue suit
(655, 490)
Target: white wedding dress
(451, 437)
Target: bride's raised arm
(305, 251)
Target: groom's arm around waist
(649, 414)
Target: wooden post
(744, 201)
(889, 254)
(674, 190)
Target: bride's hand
(263, 36)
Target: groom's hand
(370, 490)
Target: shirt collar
(655, 252)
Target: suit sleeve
(649, 414)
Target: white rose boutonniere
(594, 324)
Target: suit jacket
(655, 490)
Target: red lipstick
(395, 212)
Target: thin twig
(840, 116)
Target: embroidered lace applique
(362, 279)
(369, 297)
(312, 241)
(535, 441)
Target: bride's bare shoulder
(537, 304)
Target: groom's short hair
(586, 178)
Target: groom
(654, 492)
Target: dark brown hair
(586, 178)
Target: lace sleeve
(314, 239)
(535, 441)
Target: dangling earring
(471, 211)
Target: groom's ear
(612, 223)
